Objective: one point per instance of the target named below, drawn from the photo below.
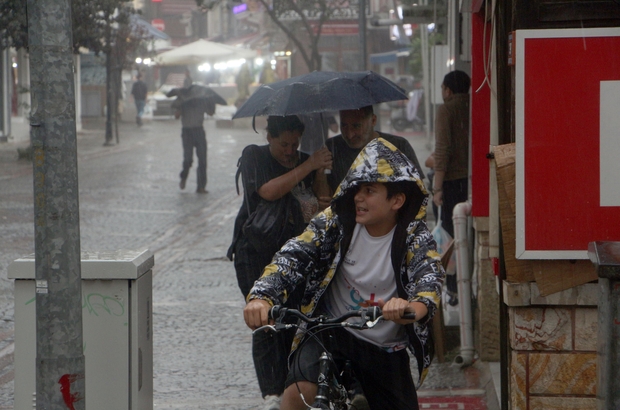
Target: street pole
(427, 82)
(108, 84)
(60, 362)
(5, 106)
(364, 53)
(362, 30)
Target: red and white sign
(159, 24)
(567, 141)
(337, 29)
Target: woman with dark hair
(270, 173)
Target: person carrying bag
(279, 201)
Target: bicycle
(331, 392)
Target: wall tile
(562, 403)
(540, 329)
(518, 397)
(586, 329)
(566, 373)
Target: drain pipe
(459, 217)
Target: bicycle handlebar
(370, 316)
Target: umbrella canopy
(195, 91)
(202, 51)
(321, 91)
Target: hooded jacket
(314, 257)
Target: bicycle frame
(329, 389)
(331, 394)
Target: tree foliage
(90, 20)
(301, 21)
(102, 26)
(14, 23)
(14, 20)
(415, 62)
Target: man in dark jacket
(357, 129)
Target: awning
(202, 51)
(242, 40)
(388, 57)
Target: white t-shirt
(365, 276)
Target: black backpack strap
(238, 174)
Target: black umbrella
(196, 91)
(321, 91)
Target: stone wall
(552, 347)
(487, 308)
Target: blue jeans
(140, 107)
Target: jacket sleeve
(425, 272)
(302, 261)
(407, 149)
(293, 263)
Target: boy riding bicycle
(371, 247)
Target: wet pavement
(130, 199)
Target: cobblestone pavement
(130, 199)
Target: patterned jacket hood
(380, 161)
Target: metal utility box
(117, 330)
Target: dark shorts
(384, 377)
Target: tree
(14, 20)
(117, 38)
(14, 24)
(415, 63)
(301, 21)
(103, 26)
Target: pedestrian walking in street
(272, 173)
(371, 247)
(139, 91)
(451, 155)
(193, 137)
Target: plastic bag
(445, 245)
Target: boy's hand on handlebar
(256, 313)
(395, 308)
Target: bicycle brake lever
(266, 327)
(274, 328)
(372, 323)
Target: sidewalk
(199, 352)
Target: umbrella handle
(325, 171)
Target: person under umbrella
(357, 129)
(274, 172)
(352, 94)
(191, 105)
